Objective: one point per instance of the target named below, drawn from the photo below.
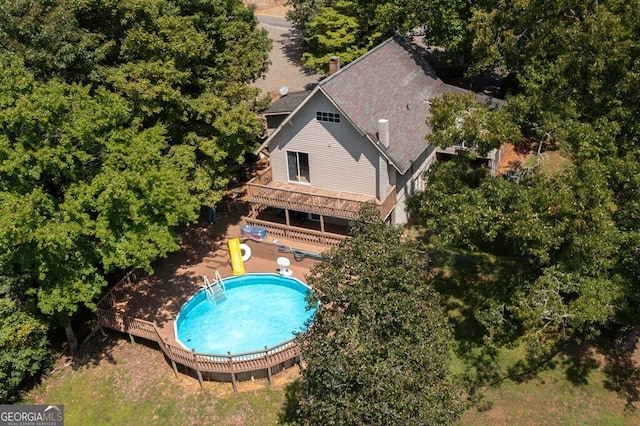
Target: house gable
(340, 158)
(379, 148)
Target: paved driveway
(286, 68)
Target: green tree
(85, 191)
(182, 65)
(118, 120)
(47, 36)
(439, 23)
(562, 236)
(573, 65)
(23, 340)
(332, 33)
(463, 120)
(574, 236)
(379, 338)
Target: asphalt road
(286, 68)
(274, 22)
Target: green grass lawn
(553, 397)
(133, 385)
(114, 382)
(126, 384)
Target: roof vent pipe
(383, 131)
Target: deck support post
(233, 382)
(175, 367)
(131, 338)
(233, 375)
(322, 223)
(286, 217)
(266, 357)
(200, 379)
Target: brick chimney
(334, 64)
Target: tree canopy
(570, 237)
(379, 338)
(119, 120)
(183, 65)
(354, 25)
(562, 236)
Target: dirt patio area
(276, 8)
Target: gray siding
(340, 158)
(404, 188)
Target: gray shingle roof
(286, 104)
(392, 81)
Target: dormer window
(328, 117)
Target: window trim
(297, 155)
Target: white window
(298, 164)
(418, 184)
(329, 117)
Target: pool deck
(159, 297)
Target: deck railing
(229, 364)
(263, 177)
(295, 233)
(259, 191)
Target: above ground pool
(259, 310)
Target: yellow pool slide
(235, 253)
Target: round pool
(259, 310)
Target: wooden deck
(147, 306)
(264, 191)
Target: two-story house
(359, 136)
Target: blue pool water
(260, 310)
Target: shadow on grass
(100, 348)
(579, 362)
(472, 287)
(623, 376)
(289, 413)
(462, 283)
(477, 289)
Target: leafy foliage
(182, 65)
(463, 120)
(572, 64)
(379, 338)
(23, 339)
(332, 33)
(563, 235)
(118, 121)
(571, 237)
(360, 24)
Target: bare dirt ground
(145, 364)
(275, 8)
(516, 156)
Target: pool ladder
(215, 291)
